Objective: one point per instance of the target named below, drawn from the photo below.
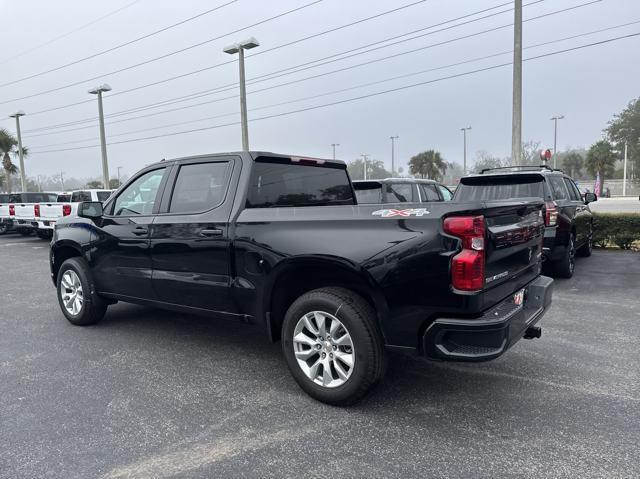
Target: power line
(64, 35)
(463, 62)
(121, 45)
(166, 55)
(261, 52)
(348, 100)
(254, 80)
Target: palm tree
(601, 160)
(7, 148)
(428, 164)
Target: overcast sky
(588, 86)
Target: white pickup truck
(47, 214)
(19, 211)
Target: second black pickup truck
(280, 241)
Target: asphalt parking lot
(148, 393)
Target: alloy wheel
(324, 349)
(71, 292)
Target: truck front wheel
(78, 300)
(332, 345)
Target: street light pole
(119, 168)
(333, 145)
(62, 181)
(624, 172)
(516, 122)
(364, 161)
(555, 138)
(103, 142)
(239, 48)
(393, 154)
(23, 176)
(464, 155)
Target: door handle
(140, 230)
(211, 232)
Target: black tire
(25, 231)
(359, 319)
(564, 268)
(4, 227)
(586, 249)
(93, 306)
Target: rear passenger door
(190, 245)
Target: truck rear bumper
(490, 335)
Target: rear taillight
(551, 215)
(66, 210)
(467, 267)
(12, 210)
(36, 210)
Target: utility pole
(393, 154)
(364, 160)
(119, 168)
(103, 141)
(555, 138)
(239, 48)
(516, 121)
(23, 176)
(333, 145)
(464, 135)
(624, 172)
(62, 181)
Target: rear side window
(429, 193)
(401, 193)
(558, 188)
(199, 187)
(504, 188)
(284, 185)
(369, 195)
(63, 198)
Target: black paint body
(248, 264)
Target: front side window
(275, 185)
(558, 188)
(400, 193)
(140, 196)
(103, 196)
(429, 193)
(445, 192)
(78, 196)
(199, 187)
(574, 193)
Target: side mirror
(90, 210)
(590, 198)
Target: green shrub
(619, 229)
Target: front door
(122, 263)
(190, 246)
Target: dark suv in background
(400, 190)
(568, 219)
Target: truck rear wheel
(332, 345)
(78, 300)
(24, 231)
(565, 266)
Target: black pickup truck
(280, 241)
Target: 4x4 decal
(405, 213)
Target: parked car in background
(275, 241)
(49, 213)
(20, 212)
(568, 219)
(400, 190)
